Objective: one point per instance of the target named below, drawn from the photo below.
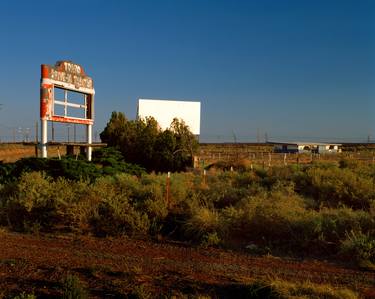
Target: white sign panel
(164, 111)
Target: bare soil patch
(112, 267)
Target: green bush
(67, 167)
(139, 292)
(265, 219)
(41, 201)
(24, 295)
(142, 142)
(359, 246)
(256, 289)
(72, 288)
(112, 162)
(334, 187)
(106, 161)
(118, 217)
(202, 222)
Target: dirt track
(112, 267)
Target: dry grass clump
(308, 289)
(202, 222)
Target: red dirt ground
(112, 267)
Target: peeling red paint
(72, 120)
(45, 71)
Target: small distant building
(306, 147)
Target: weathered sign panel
(164, 111)
(70, 77)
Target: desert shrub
(147, 194)
(348, 163)
(281, 221)
(266, 178)
(359, 246)
(202, 221)
(29, 165)
(135, 205)
(67, 167)
(256, 289)
(6, 170)
(334, 187)
(295, 211)
(372, 209)
(320, 232)
(118, 217)
(32, 203)
(24, 295)
(285, 173)
(72, 169)
(168, 215)
(105, 162)
(211, 239)
(360, 168)
(182, 185)
(306, 289)
(267, 216)
(112, 162)
(153, 202)
(139, 292)
(245, 179)
(39, 201)
(336, 222)
(229, 188)
(222, 194)
(235, 165)
(73, 288)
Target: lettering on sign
(71, 73)
(72, 68)
(77, 80)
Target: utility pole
(234, 137)
(68, 133)
(20, 133)
(36, 139)
(53, 131)
(27, 134)
(36, 132)
(74, 130)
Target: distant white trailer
(306, 147)
(164, 111)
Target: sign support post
(89, 142)
(44, 133)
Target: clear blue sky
(294, 69)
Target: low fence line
(270, 159)
(10, 152)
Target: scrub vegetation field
(73, 229)
(122, 228)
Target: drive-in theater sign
(64, 90)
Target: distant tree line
(143, 142)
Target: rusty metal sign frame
(67, 76)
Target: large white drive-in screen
(164, 111)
